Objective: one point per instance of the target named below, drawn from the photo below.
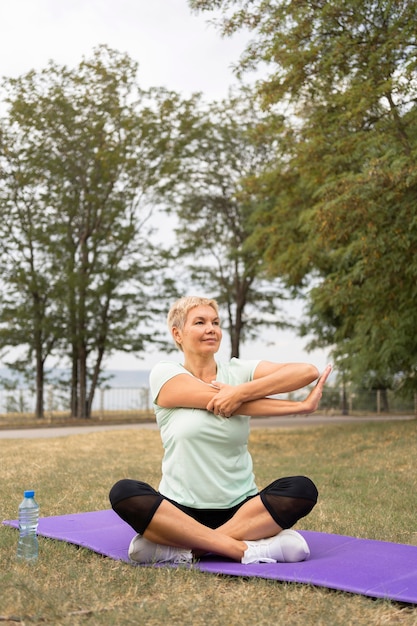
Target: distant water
(116, 378)
(127, 378)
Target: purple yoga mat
(378, 569)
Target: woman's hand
(311, 403)
(230, 398)
(227, 401)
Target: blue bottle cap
(29, 494)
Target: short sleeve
(237, 371)
(161, 373)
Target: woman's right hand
(311, 403)
(226, 402)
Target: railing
(366, 402)
(121, 402)
(134, 403)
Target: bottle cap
(29, 494)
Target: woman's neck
(204, 369)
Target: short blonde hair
(180, 309)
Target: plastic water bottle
(27, 547)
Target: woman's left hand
(226, 402)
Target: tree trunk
(74, 385)
(235, 344)
(82, 383)
(94, 380)
(39, 408)
(345, 404)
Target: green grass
(366, 474)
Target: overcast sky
(174, 48)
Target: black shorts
(286, 499)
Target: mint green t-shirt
(206, 462)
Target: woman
(207, 499)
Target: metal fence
(134, 401)
(365, 401)
(57, 401)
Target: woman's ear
(176, 334)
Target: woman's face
(201, 333)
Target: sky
(175, 49)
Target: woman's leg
(170, 526)
(172, 529)
(252, 521)
(161, 522)
(279, 506)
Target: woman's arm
(270, 407)
(185, 391)
(189, 392)
(269, 379)
(283, 377)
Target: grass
(367, 480)
(14, 421)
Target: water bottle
(27, 547)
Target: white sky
(174, 48)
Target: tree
(212, 193)
(347, 73)
(83, 152)
(31, 309)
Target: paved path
(267, 422)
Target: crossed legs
(170, 526)
(278, 506)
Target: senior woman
(207, 500)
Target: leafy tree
(346, 71)
(214, 202)
(31, 311)
(83, 155)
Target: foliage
(83, 153)
(344, 219)
(212, 192)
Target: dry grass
(13, 421)
(366, 475)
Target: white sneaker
(143, 551)
(286, 547)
